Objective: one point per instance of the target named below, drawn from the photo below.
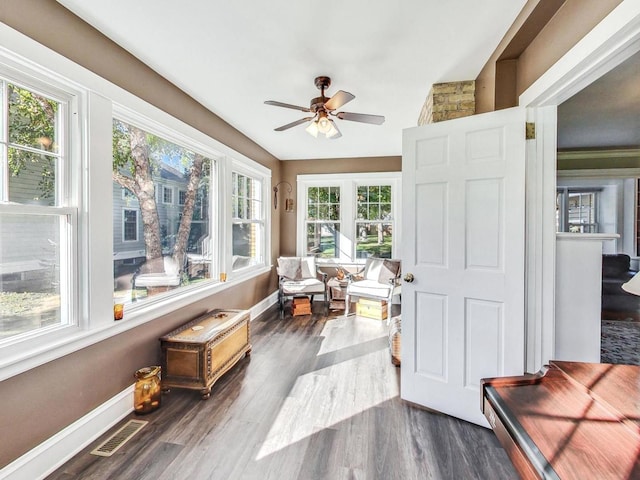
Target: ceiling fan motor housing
(317, 103)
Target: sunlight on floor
(343, 385)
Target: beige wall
(39, 403)
(292, 168)
(543, 32)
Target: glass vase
(147, 392)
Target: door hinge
(530, 131)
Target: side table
(337, 292)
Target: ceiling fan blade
(286, 105)
(361, 117)
(338, 100)
(293, 124)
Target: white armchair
(380, 281)
(300, 276)
(163, 272)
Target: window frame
(563, 223)
(95, 101)
(262, 175)
(348, 183)
(68, 205)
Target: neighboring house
(128, 238)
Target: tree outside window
(144, 163)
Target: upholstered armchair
(379, 279)
(300, 276)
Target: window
(167, 195)
(248, 226)
(130, 226)
(374, 224)
(36, 212)
(56, 290)
(174, 235)
(348, 217)
(323, 221)
(577, 210)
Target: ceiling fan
(322, 108)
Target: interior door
(463, 232)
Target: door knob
(408, 277)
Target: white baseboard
(263, 306)
(56, 450)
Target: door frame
(611, 42)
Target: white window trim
(262, 174)
(348, 183)
(95, 265)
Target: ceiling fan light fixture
(333, 131)
(312, 129)
(324, 124)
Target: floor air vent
(118, 439)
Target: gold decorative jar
(146, 397)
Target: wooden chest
(371, 308)
(300, 306)
(196, 354)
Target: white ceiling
(231, 56)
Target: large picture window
(174, 250)
(348, 217)
(36, 212)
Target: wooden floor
(317, 399)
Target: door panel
(463, 316)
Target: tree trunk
(144, 189)
(195, 173)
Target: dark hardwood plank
(317, 399)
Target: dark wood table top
(573, 420)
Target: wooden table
(337, 292)
(571, 420)
(196, 354)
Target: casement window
(37, 210)
(348, 217)
(247, 219)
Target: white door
(463, 242)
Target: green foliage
(32, 124)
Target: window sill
(20, 357)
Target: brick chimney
(447, 101)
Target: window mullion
(4, 152)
